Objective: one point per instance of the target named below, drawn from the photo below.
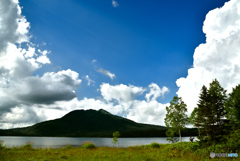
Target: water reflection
(57, 142)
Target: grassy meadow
(88, 151)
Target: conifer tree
(232, 106)
(211, 110)
(194, 119)
(218, 97)
(204, 117)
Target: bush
(88, 145)
(233, 141)
(1, 145)
(29, 145)
(154, 145)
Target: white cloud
(43, 59)
(120, 92)
(89, 80)
(218, 58)
(155, 92)
(106, 72)
(23, 94)
(30, 53)
(14, 25)
(151, 112)
(94, 61)
(141, 111)
(114, 3)
(27, 98)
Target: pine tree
(204, 117)
(211, 111)
(218, 97)
(232, 106)
(194, 119)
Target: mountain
(89, 123)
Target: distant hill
(90, 123)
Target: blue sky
(127, 57)
(139, 41)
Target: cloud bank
(22, 92)
(218, 58)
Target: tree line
(216, 116)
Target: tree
(115, 137)
(170, 135)
(211, 111)
(218, 97)
(203, 115)
(232, 106)
(176, 116)
(194, 119)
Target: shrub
(29, 144)
(88, 145)
(154, 145)
(233, 141)
(1, 144)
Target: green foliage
(154, 145)
(115, 137)
(1, 145)
(170, 135)
(210, 113)
(67, 146)
(193, 119)
(232, 106)
(218, 98)
(88, 145)
(29, 145)
(203, 114)
(233, 141)
(180, 151)
(176, 116)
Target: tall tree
(218, 97)
(232, 106)
(211, 110)
(203, 112)
(194, 119)
(176, 116)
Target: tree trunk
(198, 131)
(180, 135)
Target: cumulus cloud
(27, 98)
(106, 72)
(218, 58)
(14, 27)
(120, 92)
(141, 111)
(114, 3)
(21, 92)
(89, 80)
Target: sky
(127, 57)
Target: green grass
(179, 151)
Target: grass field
(161, 152)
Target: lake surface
(57, 142)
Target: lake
(57, 142)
